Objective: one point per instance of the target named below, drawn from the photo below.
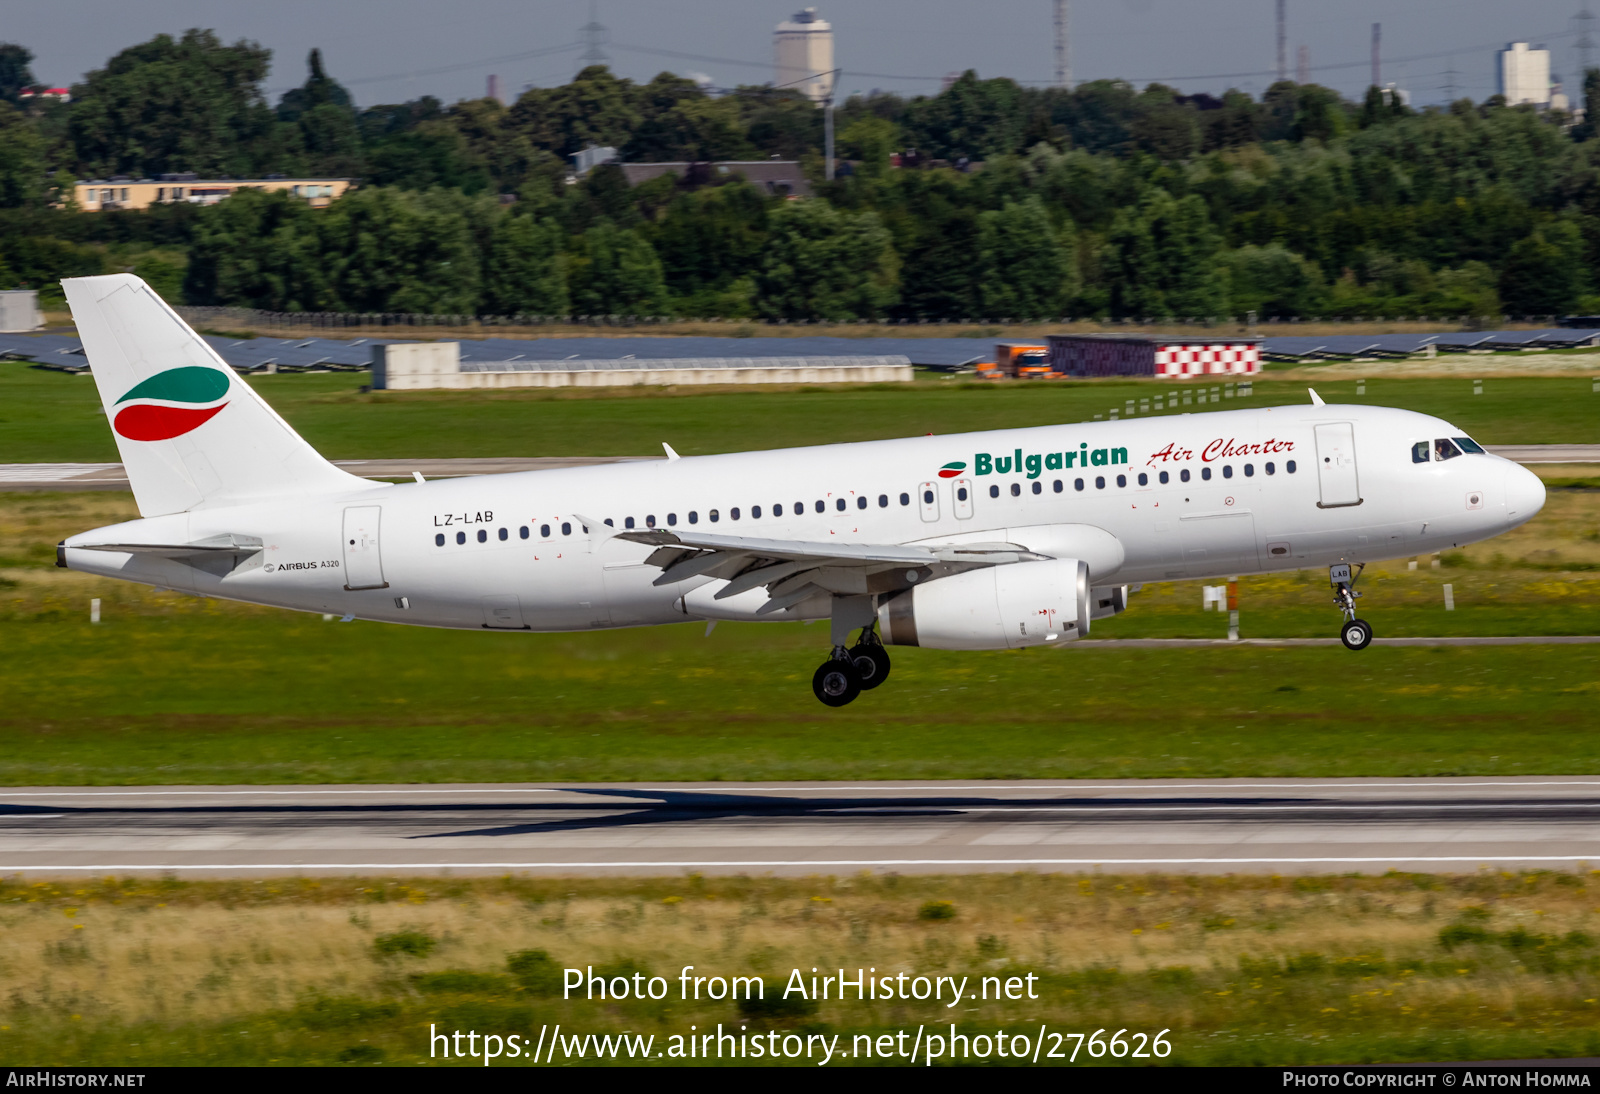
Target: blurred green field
(50, 416)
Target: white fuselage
(510, 551)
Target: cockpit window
(1419, 452)
(1467, 444)
(1444, 449)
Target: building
(99, 195)
(56, 94)
(1524, 75)
(19, 311)
(1169, 356)
(780, 178)
(803, 52)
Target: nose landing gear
(1356, 634)
(849, 671)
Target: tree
(524, 271)
(595, 110)
(1163, 260)
(1273, 282)
(188, 105)
(15, 75)
(320, 89)
(258, 249)
(825, 264)
(1022, 264)
(23, 180)
(1544, 273)
(323, 118)
(616, 273)
(407, 252)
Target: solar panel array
(299, 354)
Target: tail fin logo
(172, 403)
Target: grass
(55, 417)
(1238, 970)
(169, 689)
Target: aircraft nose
(1524, 493)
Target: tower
(1377, 45)
(803, 53)
(1063, 65)
(1585, 42)
(594, 37)
(1283, 41)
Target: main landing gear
(1356, 634)
(849, 671)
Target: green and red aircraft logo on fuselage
(171, 403)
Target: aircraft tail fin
(192, 434)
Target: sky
(394, 50)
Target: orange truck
(1017, 361)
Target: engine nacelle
(996, 608)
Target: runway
(1291, 826)
(112, 476)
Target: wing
(795, 570)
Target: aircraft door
(1336, 465)
(928, 500)
(961, 489)
(363, 557)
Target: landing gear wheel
(872, 665)
(836, 682)
(1356, 634)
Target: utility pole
(1450, 82)
(1585, 43)
(827, 123)
(1377, 43)
(1063, 65)
(1283, 41)
(594, 37)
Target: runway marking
(1176, 808)
(1482, 860)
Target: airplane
(978, 541)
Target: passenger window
(755, 512)
(504, 535)
(838, 503)
(1467, 444)
(905, 499)
(627, 522)
(672, 519)
(1038, 487)
(1122, 480)
(1183, 476)
(883, 501)
(822, 506)
(733, 513)
(1272, 468)
(438, 540)
(523, 531)
(1227, 471)
(861, 502)
(1077, 484)
(566, 528)
(461, 537)
(1099, 482)
(1016, 489)
(777, 510)
(1144, 480)
(694, 516)
(1419, 452)
(1057, 486)
(1164, 478)
(799, 508)
(544, 529)
(1249, 470)
(927, 497)
(994, 491)
(483, 535)
(650, 520)
(1444, 450)
(714, 516)
(961, 494)
(1289, 466)
(1205, 473)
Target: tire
(836, 683)
(872, 665)
(1356, 634)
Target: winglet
(1316, 400)
(671, 455)
(599, 529)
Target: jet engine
(995, 608)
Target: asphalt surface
(111, 476)
(1291, 826)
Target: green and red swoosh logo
(171, 403)
(951, 470)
